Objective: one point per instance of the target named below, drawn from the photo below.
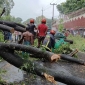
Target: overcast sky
(32, 8)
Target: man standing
(31, 27)
(49, 41)
(27, 38)
(42, 31)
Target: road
(13, 74)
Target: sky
(26, 9)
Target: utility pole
(53, 11)
(42, 13)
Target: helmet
(43, 20)
(31, 20)
(52, 32)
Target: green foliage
(1, 40)
(1, 37)
(63, 49)
(78, 42)
(38, 21)
(18, 20)
(2, 72)
(49, 23)
(70, 6)
(11, 18)
(8, 4)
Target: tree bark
(8, 23)
(71, 59)
(20, 29)
(40, 70)
(64, 57)
(20, 25)
(38, 53)
(70, 41)
(43, 54)
(6, 28)
(16, 26)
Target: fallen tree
(36, 68)
(20, 25)
(16, 26)
(6, 28)
(38, 53)
(8, 23)
(71, 59)
(20, 29)
(70, 41)
(43, 54)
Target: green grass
(78, 42)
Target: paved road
(14, 74)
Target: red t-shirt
(42, 29)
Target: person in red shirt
(42, 31)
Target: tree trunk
(70, 41)
(20, 25)
(20, 29)
(71, 59)
(43, 54)
(16, 26)
(6, 28)
(40, 70)
(64, 57)
(8, 23)
(38, 53)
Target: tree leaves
(70, 6)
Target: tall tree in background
(8, 4)
(70, 6)
(18, 20)
(28, 21)
(38, 19)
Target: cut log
(71, 59)
(70, 41)
(64, 57)
(41, 70)
(6, 28)
(43, 54)
(20, 29)
(20, 25)
(16, 26)
(38, 53)
(8, 23)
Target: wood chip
(50, 78)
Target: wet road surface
(13, 74)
